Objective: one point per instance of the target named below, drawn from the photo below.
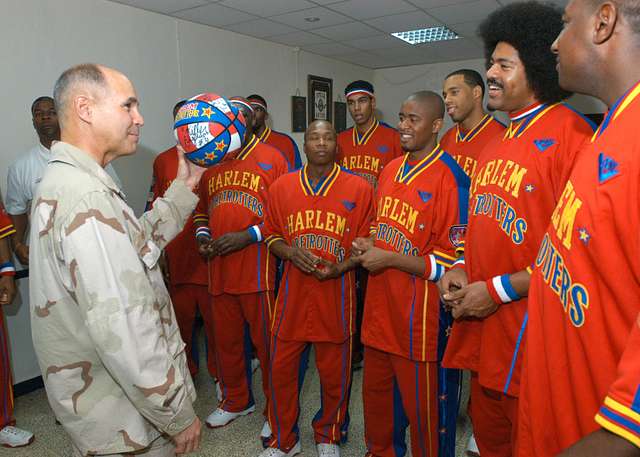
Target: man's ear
(605, 21)
(437, 125)
(83, 107)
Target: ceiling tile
(164, 6)
(326, 2)
(264, 8)
(325, 17)
(364, 59)
(215, 15)
(428, 4)
(299, 39)
(348, 31)
(377, 42)
(461, 49)
(404, 21)
(261, 28)
(368, 9)
(330, 49)
(466, 29)
(472, 11)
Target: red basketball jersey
(519, 179)
(420, 211)
(233, 196)
(466, 147)
(186, 266)
(367, 155)
(583, 356)
(323, 220)
(285, 144)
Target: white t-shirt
(24, 176)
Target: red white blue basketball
(209, 127)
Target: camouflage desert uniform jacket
(103, 326)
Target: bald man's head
(88, 78)
(319, 124)
(430, 101)
(420, 120)
(98, 110)
(320, 142)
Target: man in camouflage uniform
(103, 325)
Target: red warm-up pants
(495, 420)
(398, 392)
(288, 359)
(233, 315)
(187, 299)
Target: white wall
(393, 85)
(166, 59)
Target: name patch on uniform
(607, 168)
(544, 144)
(425, 196)
(456, 234)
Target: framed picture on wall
(298, 114)
(340, 115)
(320, 94)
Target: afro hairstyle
(531, 28)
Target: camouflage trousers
(161, 447)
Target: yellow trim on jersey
(633, 94)
(366, 136)
(446, 256)
(325, 186)
(622, 409)
(474, 132)
(250, 146)
(514, 128)
(421, 166)
(7, 231)
(615, 428)
(265, 135)
(529, 270)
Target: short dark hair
(40, 99)
(84, 73)
(531, 28)
(431, 100)
(471, 77)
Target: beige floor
(239, 439)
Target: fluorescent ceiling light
(427, 35)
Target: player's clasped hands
(303, 259)
(465, 300)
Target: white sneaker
(218, 391)
(265, 433)
(275, 452)
(255, 364)
(472, 447)
(220, 417)
(328, 450)
(15, 437)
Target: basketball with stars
(208, 128)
